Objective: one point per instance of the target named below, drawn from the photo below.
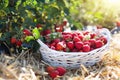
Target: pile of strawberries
(55, 71)
(16, 42)
(83, 41)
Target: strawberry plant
(22, 22)
(28, 20)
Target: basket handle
(105, 32)
(41, 43)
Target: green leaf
(18, 3)
(29, 38)
(34, 45)
(60, 3)
(35, 2)
(53, 12)
(43, 1)
(51, 0)
(77, 24)
(23, 1)
(3, 3)
(98, 15)
(66, 10)
(36, 33)
(5, 36)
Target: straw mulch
(29, 66)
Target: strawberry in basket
(71, 49)
(81, 41)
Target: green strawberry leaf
(36, 33)
(29, 38)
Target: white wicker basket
(74, 59)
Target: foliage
(95, 12)
(40, 15)
(17, 15)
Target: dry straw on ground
(29, 66)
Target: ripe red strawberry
(98, 43)
(18, 43)
(86, 32)
(76, 39)
(75, 35)
(92, 42)
(81, 37)
(27, 32)
(52, 47)
(86, 42)
(99, 26)
(103, 39)
(53, 44)
(13, 40)
(67, 37)
(59, 28)
(65, 33)
(70, 45)
(79, 45)
(42, 33)
(86, 48)
(118, 23)
(60, 46)
(47, 31)
(50, 69)
(38, 25)
(92, 35)
(56, 40)
(61, 70)
(91, 49)
(54, 74)
(64, 23)
(74, 50)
